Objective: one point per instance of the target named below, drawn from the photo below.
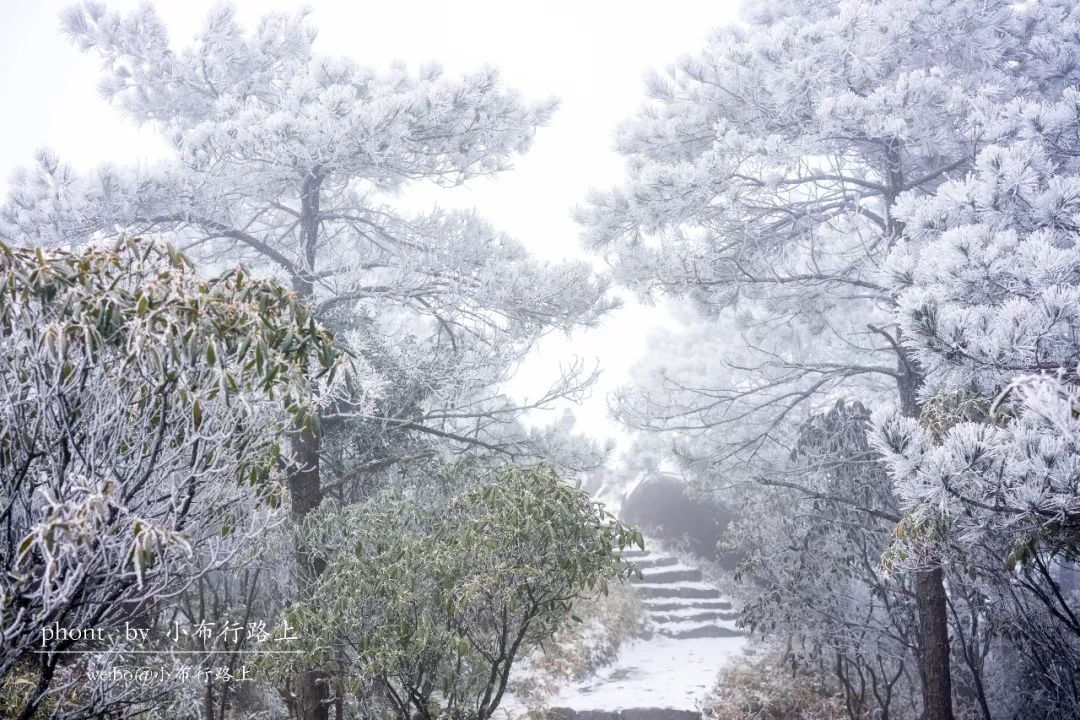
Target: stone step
(655, 561)
(677, 590)
(665, 604)
(634, 553)
(689, 631)
(692, 615)
(671, 574)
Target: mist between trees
(241, 385)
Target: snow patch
(658, 672)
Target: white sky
(592, 55)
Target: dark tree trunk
(934, 645)
(305, 492)
(930, 598)
(311, 696)
(312, 701)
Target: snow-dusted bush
(142, 412)
(765, 687)
(600, 627)
(811, 575)
(429, 596)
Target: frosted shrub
(598, 629)
(430, 596)
(763, 687)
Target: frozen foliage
(988, 292)
(794, 183)
(988, 289)
(288, 161)
(141, 411)
(986, 276)
(763, 179)
(431, 595)
(602, 628)
(762, 687)
(1011, 476)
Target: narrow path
(666, 676)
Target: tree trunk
(312, 700)
(311, 696)
(934, 645)
(305, 490)
(930, 598)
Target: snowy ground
(694, 636)
(660, 672)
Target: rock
(597, 715)
(560, 713)
(659, 714)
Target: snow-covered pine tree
(988, 287)
(763, 183)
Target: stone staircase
(666, 675)
(679, 603)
